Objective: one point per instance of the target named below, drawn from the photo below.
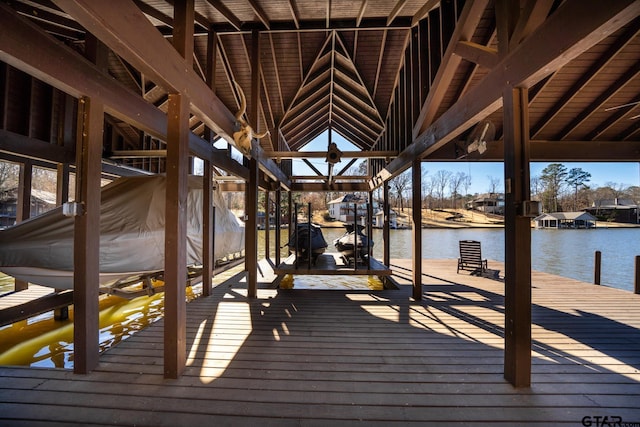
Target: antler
(243, 104)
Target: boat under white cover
(132, 221)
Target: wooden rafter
(532, 16)
(469, 18)
(295, 14)
(262, 16)
(598, 103)
(383, 44)
(395, 11)
(618, 115)
(604, 59)
(226, 13)
(363, 8)
(424, 11)
(154, 13)
(575, 26)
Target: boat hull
(132, 223)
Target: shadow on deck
(310, 357)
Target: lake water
(568, 253)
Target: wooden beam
(507, 13)
(318, 187)
(424, 11)
(553, 151)
(517, 353)
(532, 16)
(228, 15)
(478, 54)
(140, 43)
(32, 148)
(573, 28)
(323, 154)
(396, 11)
(259, 12)
(32, 308)
(467, 23)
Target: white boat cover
(132, 220)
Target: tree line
(558, 188)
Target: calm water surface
(568, 253)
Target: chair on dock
(471, 257)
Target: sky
(624, 173)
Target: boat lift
(334, 263)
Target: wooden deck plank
(308, 357)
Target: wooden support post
(251, 246)
(295, 233)
(416, 225)
(177, 165)
(86, 245)
(636, 282)
(23, 209)
(386, 235)
(267, 225)
(86, 242)
(355, 236)
(517, 359)
(208, 211)
(310, 240)
(208, 230)
(278, 213)
(62, 196)
(369, 229)
(175, 252)
(597, 267)
(290, 214)
(251, 230)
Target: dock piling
(597, 268)
(637, 276)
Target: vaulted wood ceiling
(410, 77)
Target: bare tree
(441, 181)
(494, 184)
(401, 184)
(455, 182)
(8, 175)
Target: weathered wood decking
(299, 357)
(332, 263)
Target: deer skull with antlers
(244, 134)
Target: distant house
(378, 219)
(565, 220)
(618, 210)
(341, 208)
(41, 202)
(492, 203)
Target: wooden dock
(332, 263)
(315, 358)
